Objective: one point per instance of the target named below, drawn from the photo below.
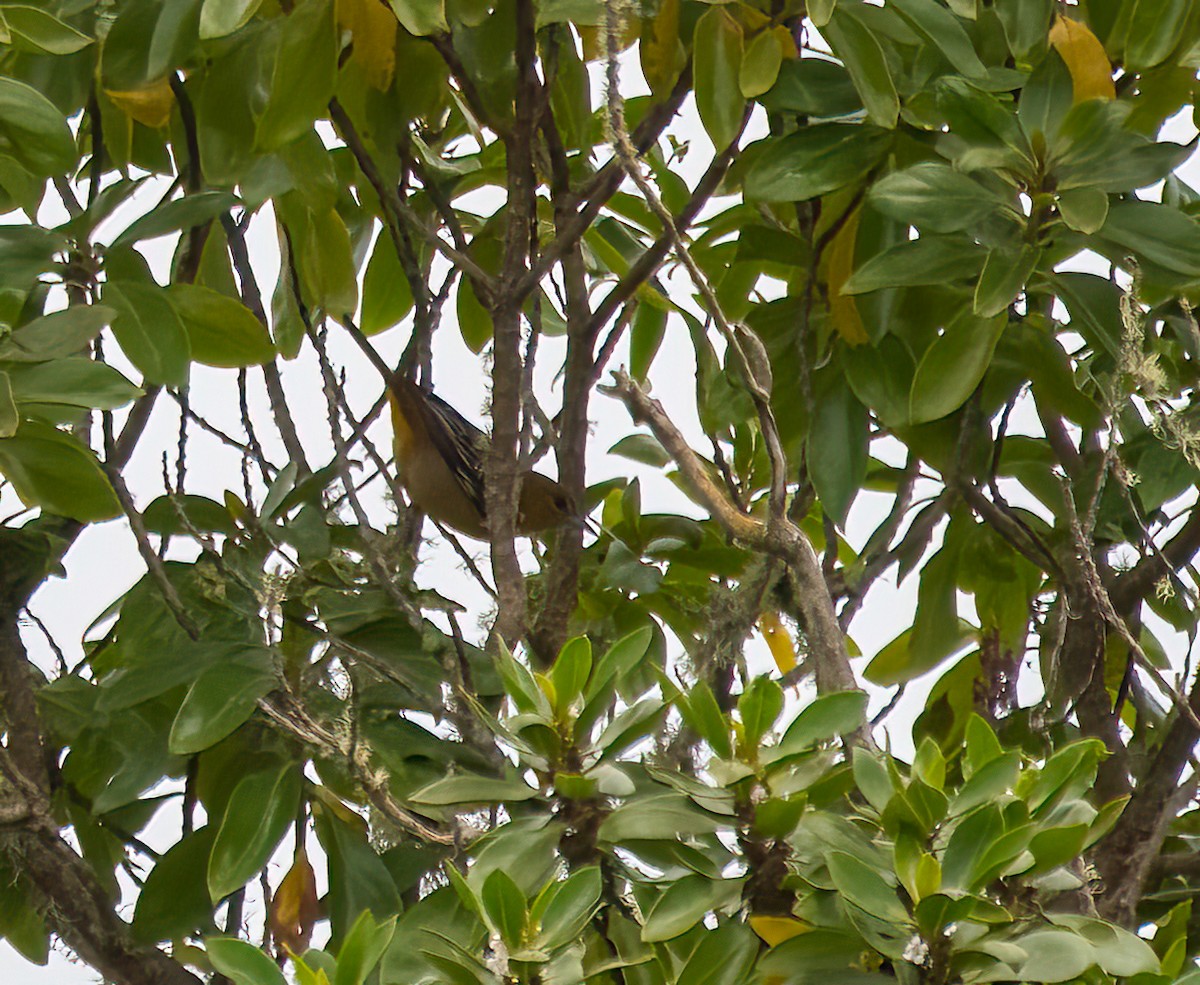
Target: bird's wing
(460, 445)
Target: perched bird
(440, 455)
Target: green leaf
(929, 764)
(1046, 100)
(304, 75)
(683, 905)
(386, 295)
(1026, 24)
(421, 17)
(220, 700)
(646, 332)
(21, 926)
(828, 717)
(177, 214)
(644, 448)
(504, 907)
(173, 901)
(150, 332)
(75, 381)
(9, 418)
(759, 705)
(1084, 209)
(760, 64)
(903, 660)
(865, 887)
(221, 331)
(63, 333)
(723, 957)
(988, 783)
(988, 132)
(940, 28)
(219, 18)
(813, 87)
(260, 809)
(324, 255)
(564, 909)
(953, 365)
(242, 962)
(363, 947)
(667, 817)
(474, 322)
(37, 30)
(873, 779)
(570, 672)
(819, 12)
(51, 469)
(982, 744)
(1155, 30)
(970, 842)
(358, 878)
(916, 263)
(1003, 278)
(1054, 956)
(468, 789)
(934, 196)
(718, 57)
(1057, 846)
(1094, 304)
(33, 132)
(1119, 952)
(837, 446)
(815, 160)
(700, 710)
(1096, 148)
(148, 40)
(860, 50)
(1159, 233)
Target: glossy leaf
(304, 74)
(828, 717)
(52, 470)
(815, 161)
(33, 131)
(221, 331)
(863, 55)
(718, 58)
(242, 962)
(260, 809)
(150, 332)
(935, 197)
(220, 700)
(75, 381)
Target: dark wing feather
(460, 445)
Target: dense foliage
(934, 267)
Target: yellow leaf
(787, 42)
(662, 54)
(1086, 60)
(295, 908)
(779, 642)
(593, 41)
(150, 105)
(372, 25)
(842, 307)
(326, 799)
(776, 930)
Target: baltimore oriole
(440, 455)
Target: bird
(440, 456)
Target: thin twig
(154, 564)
